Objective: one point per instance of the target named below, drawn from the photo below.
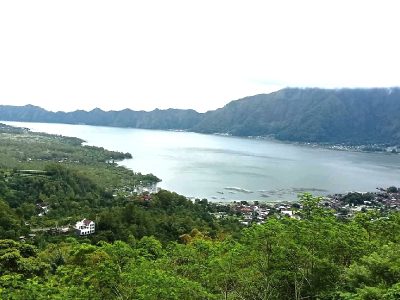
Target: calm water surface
(229, 168)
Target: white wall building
(85, 227)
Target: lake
(223, 168)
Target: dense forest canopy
(317, 257)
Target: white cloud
(189, 54)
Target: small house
(85, 227)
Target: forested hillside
(318, 257)
(75, 182)
(354, 116)
(351, 116)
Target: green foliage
(357, 198)
(374, 276)
(10, 222)
(20, 259)
(30, 151)
(314, 258)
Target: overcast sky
(67, 55)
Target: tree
(375, 276)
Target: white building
(288, 213)
(84, 227)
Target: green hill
(312, 115)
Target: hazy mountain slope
(311, 115)
(156, 119)
(315, 115)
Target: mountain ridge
(353, 116)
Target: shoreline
(357, 148)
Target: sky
(68, 55)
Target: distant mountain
(355, 116)
(156, 119)
(312, 115)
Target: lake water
(229, 168)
